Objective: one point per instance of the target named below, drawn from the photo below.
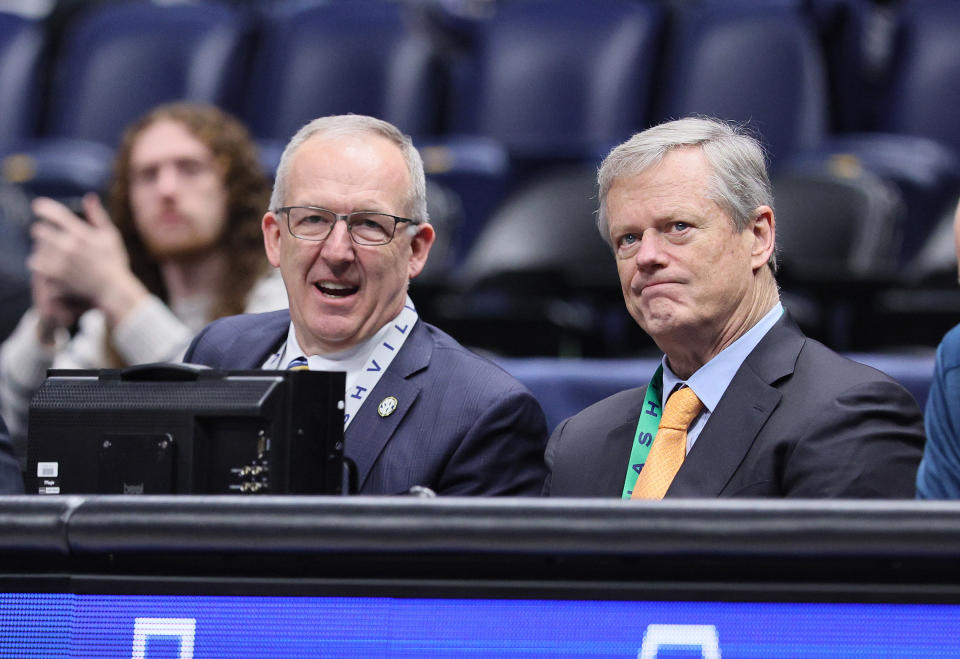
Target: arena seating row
(514, 101)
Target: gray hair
(739, 184)
(353, 125)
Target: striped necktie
(669, 446)
(298, 364)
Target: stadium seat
(357, 56)
(856, 37)
(547, 228)
(751, 62)
(836, 226)
(926, 173)
(926, 303)
(916, 142)
(15, 220)
(924, 91)
(916, 136)
(760, 63)
(562, 78)
(838, 242)
(548, 80)
(539, 279)
(21, 48)
(119, 60)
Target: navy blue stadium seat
(547, 80)
(857, 38)
(923, 97)
(919, 142)
(117, 61)
(350, 56)
(356, 56)
(751, 62)
(120, 60)
(15, 220)
(760, 62)
(21, 48)
(562, 78)
(920, 103)
(22, 43)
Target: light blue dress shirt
(711, 380)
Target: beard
(188, 246)
(182, 251)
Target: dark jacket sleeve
(866, 444)
(502, 452)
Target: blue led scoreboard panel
(201, 627)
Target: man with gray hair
(743, 404)
(420, 409)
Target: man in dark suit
(761, 410)
(420, 410)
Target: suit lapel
(616, 459)
(369, 432)
(250, 349)
(736, 422)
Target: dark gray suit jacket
(798, 420)
(463, 426)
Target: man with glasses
(348, 229)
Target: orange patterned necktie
(669, 446)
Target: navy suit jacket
(797, 420)
(463, 425)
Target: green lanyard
(646, 431)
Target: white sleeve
(151, 333)
(24, 361)
(268, 294)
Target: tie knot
(298, 364)
(681, 408)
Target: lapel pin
(387, 406)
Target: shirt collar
(711, 380)
(354, 357)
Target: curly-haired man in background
(180, 246)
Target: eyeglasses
(365, 227)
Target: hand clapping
(73, 262)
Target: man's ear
(271, 237)
(420, 244)
(763, 230)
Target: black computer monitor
(175, 428)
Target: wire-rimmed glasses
(365, 227)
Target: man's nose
(167, 180)
(651, 251)
(339, 245)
